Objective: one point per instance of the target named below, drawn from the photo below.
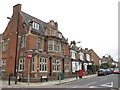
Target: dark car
(102, 72)
(116, 71)
(108, 71)
(112, 70)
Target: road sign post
(29, 57)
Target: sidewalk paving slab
(55, 82)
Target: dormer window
(60, 35)
(35, 26)
(52, 32)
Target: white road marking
(103, 79)
(91, 83)
(92, 87)
(110, 84)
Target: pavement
(49, 83)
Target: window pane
(45, 67)
(45, 60)
(39, 43)
(23, 41)
(55, 45)
(20, 66)
(23, 67)
(40, 67)
(52, 32)
(50, 44)
(40, 59)
(62, 49)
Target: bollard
(47, 79)
(9, 80)
(41, 78)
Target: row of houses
(51, 52)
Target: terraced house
(50, 50)
(81, 58)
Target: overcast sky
(93, 22)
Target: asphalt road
(108, 81)
(104, 82)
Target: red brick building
(48, 46)
(94, 57)
(0, 52)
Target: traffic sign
(29, 55)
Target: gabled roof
(28, 19)
(43, 25)
(92, 51)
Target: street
(99, 81)
(109, 81)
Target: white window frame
(52, 32)
(21, 64)
(36, 26)
(39, 43)
(55, 45)
(81, 56)
(62, 49)
(34, 69)
(56, 65)
(73, 55)
(4, 64)
(60, 35)
(23, 41)
(43, 64)
(88, 57)
(5, 45)
(67, 65)
(51, 45)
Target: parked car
(112, 70)
(116, 71)
(108, 71)
(102, 72)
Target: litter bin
(61, 76)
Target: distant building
(74, 56)
(104, 60)
(94, 57)
(81, 58)
(0, 55)
(109, 60)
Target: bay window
(55, 45)
(50, 45)
(62, 49)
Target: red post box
(80, 73)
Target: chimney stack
(16, 8)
